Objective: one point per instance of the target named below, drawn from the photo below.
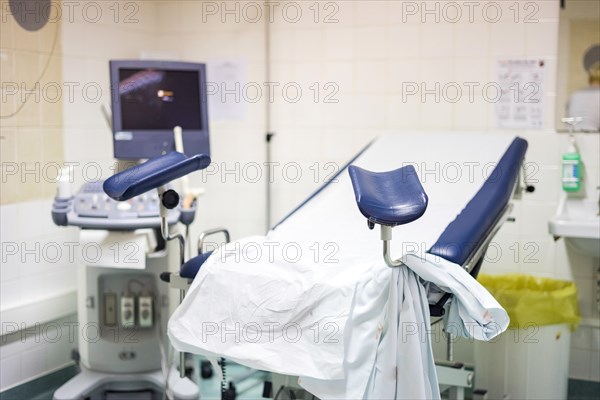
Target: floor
(249, 388)
(210, 389)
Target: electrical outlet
(127, 311)
(110, 309)
(145, 317)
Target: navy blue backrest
(463, 235)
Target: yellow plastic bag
(530, 300)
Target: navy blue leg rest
(152, 174)
(192, 266)
(189, 269)
(389, 198)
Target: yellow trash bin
(531, 359)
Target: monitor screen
(151, 98)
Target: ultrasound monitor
(149, 99)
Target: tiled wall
(189, 32)
(72, 130)
(31, 116)
(377, 48)
(32, 271)
(37, 351)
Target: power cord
(290, 392)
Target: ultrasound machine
(157, 107)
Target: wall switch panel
(127, 311)
(145, 318)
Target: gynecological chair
(395, 198)
(392, 199)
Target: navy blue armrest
(463, 235)
(152, 174)
(389, 198)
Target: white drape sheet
(313, 298)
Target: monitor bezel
(124, 150)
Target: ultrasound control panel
(92, 208)
(91, 201)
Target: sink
(577, 221)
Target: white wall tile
(470, 115)
(340, 114)
(588, 148)
(402, 113)
(436, 115)
(340, 14)
(595, 366)
(536, 256)
(403, 13)
(371, 43)
(10, 371)
(8, 228)
(579, 367)
(541, 39)
(546, 181)
(500, 256)
(369, 111)
(11, 294)
(545, 10)
(371, 13)
(595, 338)
(9, 270)
(338, 44)
(472, 40)
(403, 41)
(342, 75)
(282, 46)
(404, 78)
(308, 45)
(33, 362)
(582, 338)
(543, 148)
(371, 77)
(562, 267)
(306, 73)
(471, 72)
(437, 41)
(506, 41)
(535, 217)
(587, 297)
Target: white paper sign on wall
(226, 85)
(520, 103)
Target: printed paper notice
(520, 104)
(225, 86)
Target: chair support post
(386, 237)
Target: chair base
(94, 385)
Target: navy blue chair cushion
(389, 198)
(192, 266)
(152, 174)
(468, 230)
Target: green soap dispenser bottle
(571, 168)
